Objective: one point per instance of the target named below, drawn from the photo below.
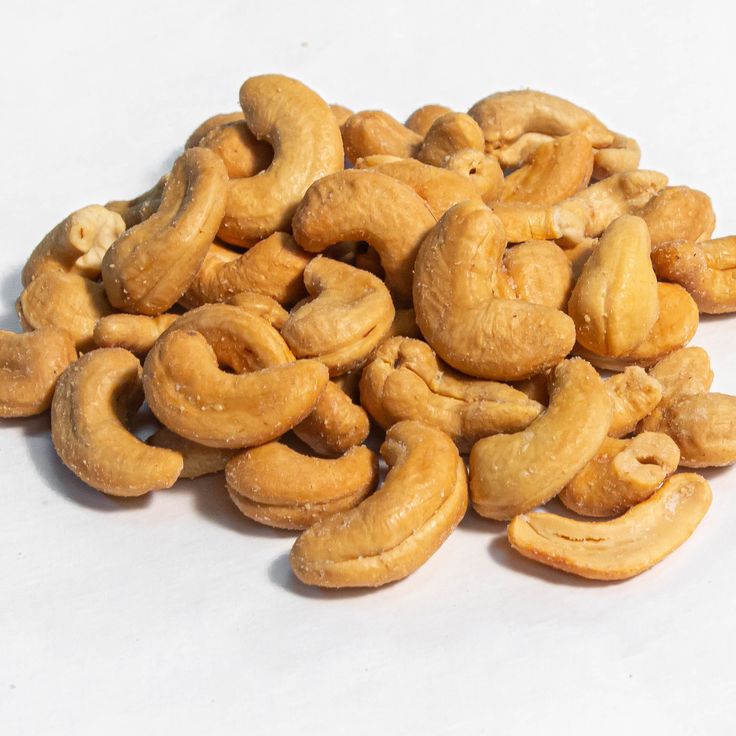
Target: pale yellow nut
(340, 113)
(622, 155)
(398, 528)
(262, 306)
(621, 474)
(349, 312)
(279, 487)
(140, 208)
(623, 547)
(66, 302)
(405, 380)
(455, 278)
(30, 364)
(149, 267)
(678, 213)
(635, 395)
(524, 222)
(420, 121)
(306, 142)
(212, 123)
(365, 205)
(134, 332)
(241, 152)
(449, 134)
(76, 245)
(375, 132)
(684, 372)
(198, 459)
(540, 273)
(512, 473)
(615, 301)
(484, 172)
(95, 398)
(579, 253)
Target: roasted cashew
(277, 486)
(262, 306)
(540, 273)
(622, 155)
(30, 364)
(135, 211)
(212, 123)
(512, 473)
(405, 380)
(523, 222)
(678, 213)
(634, 395)
(623, 547)
(134, 332)
(373, 132)
(484, 173)
(306, 145)
(684, 372)
(459, 314)
(340, 113)
(398, 528)
(198, 459)
(241, 152)
(94, 399)
(449, 134)
(404, 325)
(420, 121)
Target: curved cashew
(540, 273)
(198, 459)
(306, 145)
(94, 399)
(678, 213)
(30, 364)
(449, 134)
(398, 528)
(241, 152)
(135, 211)
(365, 205)
(420, 121)
(405, 380)
(76, 244)
(623, 547)
(373, 132)
(635, 395)
(624, 154)
(340, 113)
(212, 123)
(484, 173)
(513, 473)
(524, 222)
(277, 486)
(134, 332)
(459, 314)
(262, 306)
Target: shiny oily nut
(95, 398)
(399, 527)
(134, 332)
(635, 395)
(678, 213)
(280, 487)
(620, 548)
(198, 459)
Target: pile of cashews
(505, 287)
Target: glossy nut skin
(398, 528)
(512, 473)
(134, 332)
(198, 459)
(373, 132)
(679, 213)
(635, 395)
(30, 364)
(448, 134)
(94, 399)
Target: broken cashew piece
(635, 395)
(449, 134)
(134, 332)
(198, 459)
(372, 132)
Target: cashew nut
(420, 121)
(134, 332)
(262, 306)
(340, 113)
(634, 395)
(375, 132)
(484, 173)
(540, 273)
(449, 134)
(678, 213)
(198, 459)
(540, 222)
(622, 155)
(135, 211)
(212, 123)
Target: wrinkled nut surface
(622, 155)
(76, 245)
(460, 316)
(262, 306)
(306, 142)
(280, 487)
(134, 332)
(241, 152)
(484, 172)
(140, 208)
(398, 528)
(405, 380)
(449, 134)
(678, 213)
(348, 314)
(623, 547)
(512, 473)
(621, 474)
(540, 273)
(373, 132)
(420, 121)
(30, 364)
(198, 459)
(95, 398)
(635, 395)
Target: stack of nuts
(460, 281)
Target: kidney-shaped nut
(483, 171)
(420, 121)
(262, 306)
(540, 273)
(684, 372)
(620, 548)
(450, 133)
(398, 528)
(366, 205)
(76, 245)
(621, 474)
(349, 312)
(373, 132)
(280, 487)
(241, 152)
(405, 380)
(459, 314)
(30, 364)
(524, 222)
(635, 395)
(210, 124)
(140, 208)
(95, 398)
(622, 155)
(306, 143)
(134, 332)
(512, 473)
(678, 213)
(198, 459)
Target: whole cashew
(540, 273)
(420, 121)
(624, 154)
(635, 395)
(262, 306)
(449, 134)
(134, 332)
(483, 171)
(684, 372)
(135, 211)
(398, 528)
(340, 113)
(212, 123)
(198, 459)
(241, 152)
(678, 213)
(524, 222)
(373, 132)
(404, 325)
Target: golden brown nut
(398, 528)
(375, 132)
(134, 332)
(540, 273)
(449, 134)
(623, 547)
(404, 325)
(678, 213)
(277, 486)
(634, 395)
(512, 473)
(420, 121)
(30, 364)
(622, 155)
(241, 152)
(484, 172)
(216, 121)
(95, 397)
(262, 306)
(341, 113)
(140, 208)
(684, 372)
(198, 459)
(523, 222)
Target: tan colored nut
(30, 364)
(621, 474)
(404, 325)
(306, 143)
(135, 211)
(348, 314)
(707, 270)
(455, 277)
(134, 332)
(524, 222)
(578, 255)
(375, 132)
(341, 113)
(76, 244)
(216, 121)
(512, 473)
(366, 205)
(684, 372)
(95, 398)
(367, 259)
(279, 487)
(635, 395)
(348, 384)
(449, 134)
(555, 171)
(521, 150)
(198, 459)
(241, 152)
(398, 528)
(66, 302)
(420, 121)
(535, 388)
(624, 154)
(678, 213)
(273, 267)
(540, 272)
(262, 306)
(620, 548)
(405, 380)
(615, 301)
(483, 171)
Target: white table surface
(176, 615)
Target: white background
(176, 615)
